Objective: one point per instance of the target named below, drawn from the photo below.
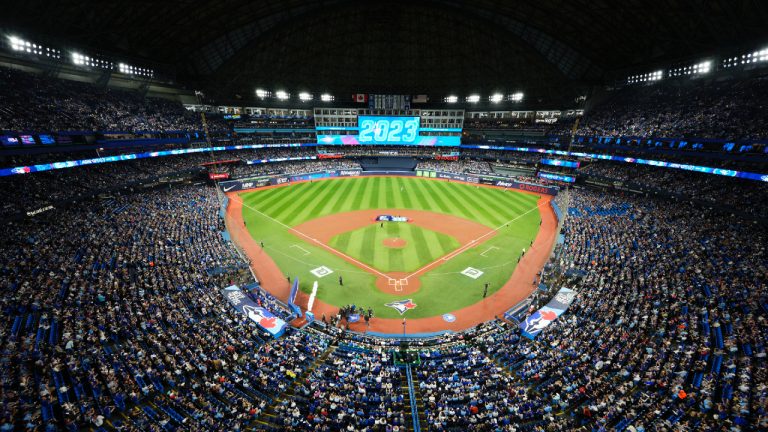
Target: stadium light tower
(305, 97)
(473, 98)
(261, 93)
(452, 99)
(282, 94)
(325, 97)
(496, 97)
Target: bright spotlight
(282, 94)
(304, 97)
(325, 97)
(261, 93)
(452, 99)
(496, 97)
(473, 98)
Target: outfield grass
(268, 212)
(423, 246)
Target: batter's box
(321, 271)
(397, 283)
(472, 272)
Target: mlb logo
(402, 306)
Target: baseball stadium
(384, 216)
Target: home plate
(321, 271)
(472, 272)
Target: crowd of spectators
(31, 102)
(724, 109)
(114, 318)
(115, 307)
(354, 389)
(292, 168)
(743, 196)
(462, 166)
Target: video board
(384, 130)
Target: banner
(349, 173)
(561, 163)
(262, 317)
(451, 176)
(390, 218)
(530, 187)
(557, 177)
(292, 298)
(542, 318)
(238, 185)
(294, 291)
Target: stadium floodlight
(703, 67)
(325, 97)
(516, 97)
(452, 99)
(23, 46)
(282, 95)
(261, 93)
(305, 97)
(473, 98)
(129, 70)
(496, 97)
(16, 43)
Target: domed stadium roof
(395, 46)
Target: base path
(518, 287)
(467, 232)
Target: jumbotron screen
(400, 130)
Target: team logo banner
(262, 317)
(390, 218)
(542, 318)
(292, 298)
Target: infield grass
(422, 246)
(269, 212)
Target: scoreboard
(369, 129)
(388, 130)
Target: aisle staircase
(417, 404)
(415, 412)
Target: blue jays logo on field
(402, 306)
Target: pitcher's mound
(394, 242)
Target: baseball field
(458, 237)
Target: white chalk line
(488, 250)
(306, 252)
(316, 241)
(310, 264)
(471, 244)
(453, 254)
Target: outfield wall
(500, 181)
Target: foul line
(472, 243)
(316, 241)
(488, 250)
(306, 252)
(451, 255)
(309, 264)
